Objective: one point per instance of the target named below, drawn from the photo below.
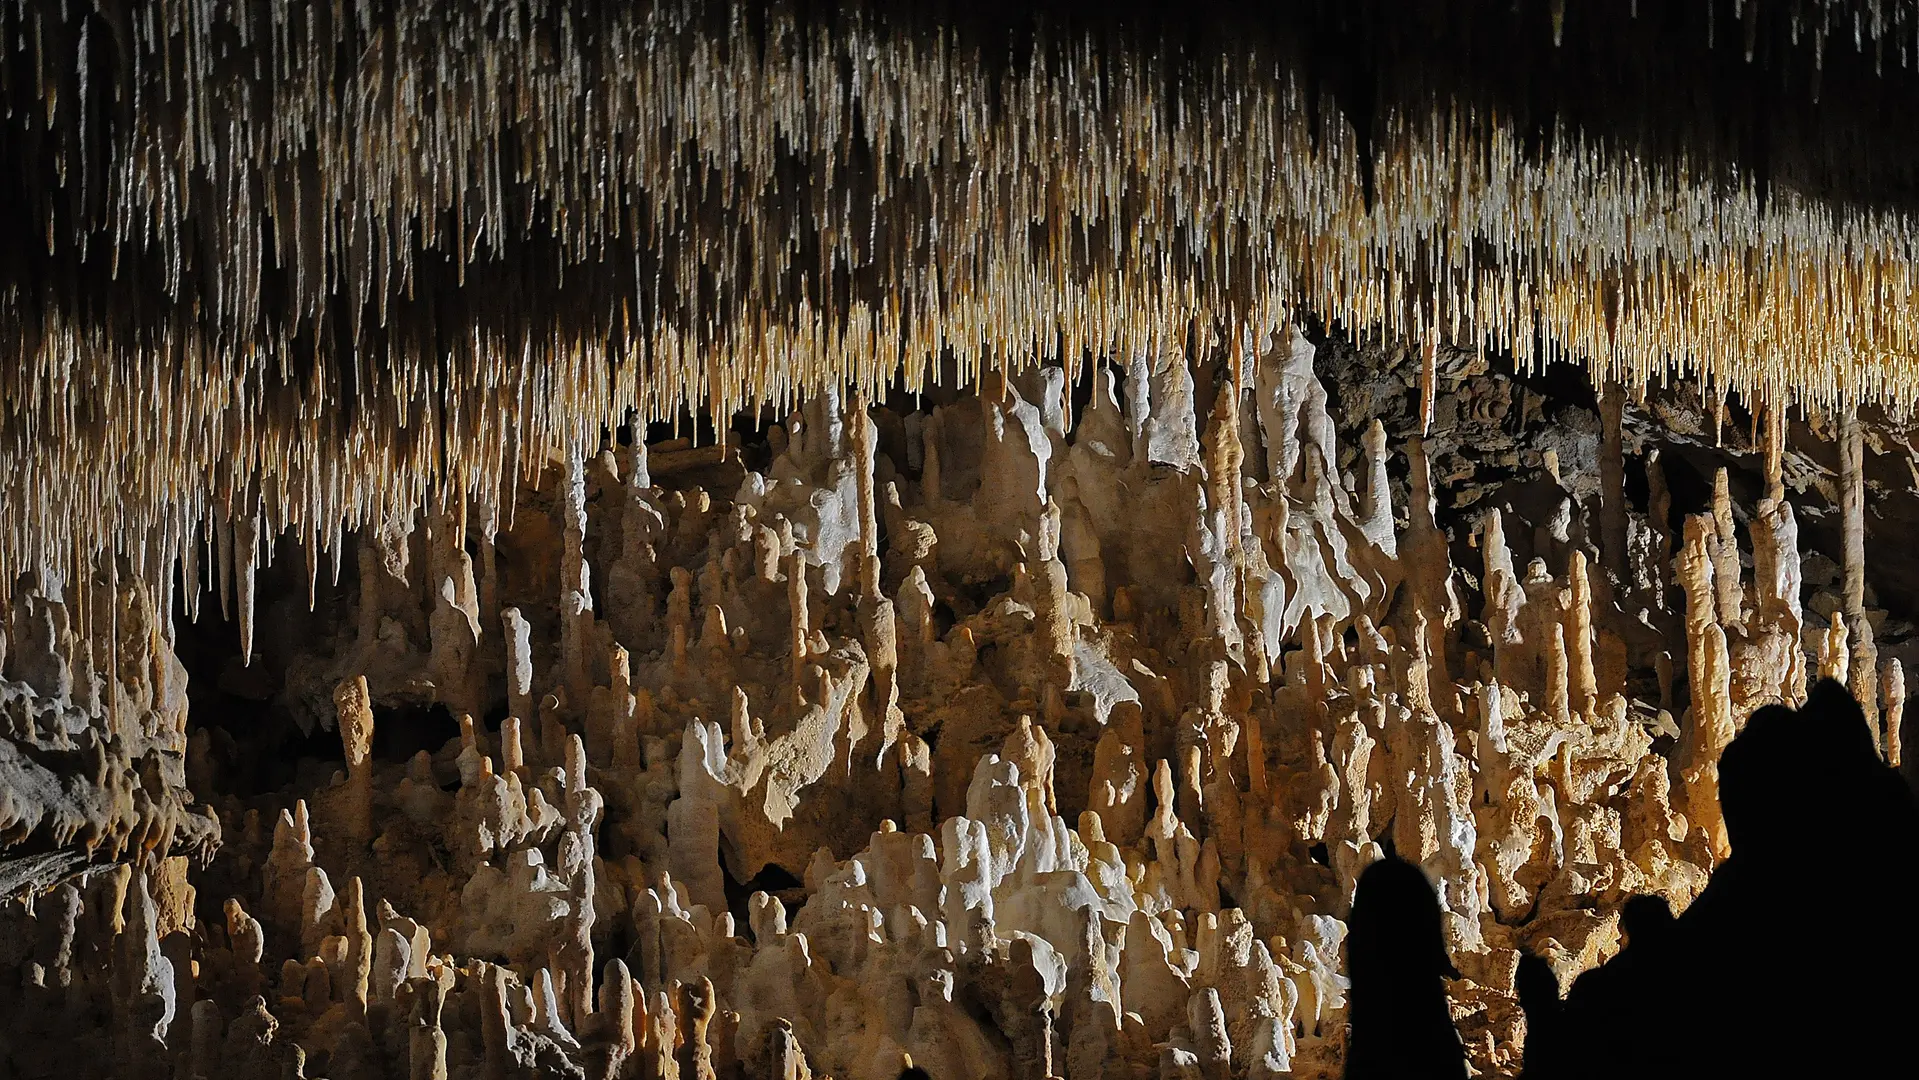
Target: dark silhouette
(1646, 920)
(1795, 960)
(1603, 1004)
(1402, 1028)
(1547, 1042)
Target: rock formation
(714, 540)
(793, 809)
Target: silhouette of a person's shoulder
(1396, 955)
(1825, 841)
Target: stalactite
(466, 318)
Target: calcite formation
(303, 266)
(92, 753)
(713, 539)
(978, 733)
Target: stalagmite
(1584, 682)
(146, 986)
(1895, 713)
(355, 709)
(1213, 1048)
(696, 1050)
(1223, 456)
(455, 632)
(1726, 574)
(1659, 519)
(1504, 600)
(1376, 510)
(576, 596)
(1852, 511)
(496, 1023)
(864, 451)
(359, 958)
(1862, 668)
(1835, 657)
(1774, 448)
(1779, 621)
(519, 665)
(1051, 615)
(426, 1041)
(798, 634)
(1432, 586)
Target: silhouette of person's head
(1395, 926)
(1537, 988)
(1396, 955)
(1645, 920)
(1793, 778)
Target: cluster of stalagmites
(1058, 743)
(93, 734)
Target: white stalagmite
(576, 594)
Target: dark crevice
(399, 732)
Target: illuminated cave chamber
(717, 540)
